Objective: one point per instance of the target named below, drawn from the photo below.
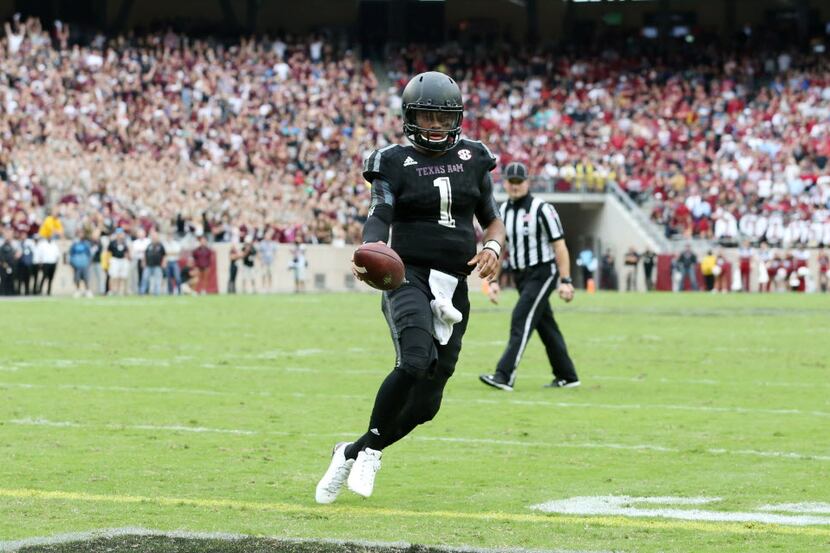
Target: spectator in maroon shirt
(202, 257)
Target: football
(379, 266)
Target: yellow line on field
(287, 508)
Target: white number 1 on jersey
(445, 191)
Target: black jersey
(434, 199)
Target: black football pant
(24, 276)
(48, 275)
(6, 281)
(533, 312)
(411, 394)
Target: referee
(538, 256)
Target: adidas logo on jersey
(409, 161)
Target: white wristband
(495, 246)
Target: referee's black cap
(515, 171)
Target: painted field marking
(808, 507)
(479, 441)
(229, 364)
(715, 526)
(704, 381)
(110, 533)
(634, 406)
(561, 404)
(380, 373)
(633, 447)
(623, 505)
(131, 389)
(150, 427)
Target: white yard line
(462, 440)
(633, 447)
(484, 401)
(308, 370)
(636, 406)
(150, 427)
(230, 363)
(704, 381)
(124, 389)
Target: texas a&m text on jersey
(434, 199)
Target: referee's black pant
(533, 312)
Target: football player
(426, 193)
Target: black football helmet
(438, 94)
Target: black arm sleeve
(486, 210)
(381, 211)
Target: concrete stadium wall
(619, 231)
(601, 226)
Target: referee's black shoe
(562, 383)
(496, 381)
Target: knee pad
(419, 356)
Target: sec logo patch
(465, 154)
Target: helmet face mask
(432, 112)
(434, 130)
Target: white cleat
(366, 466)
(332, 482)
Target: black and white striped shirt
(532, 224)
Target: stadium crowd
(716, 146)
(264, 137)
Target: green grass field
(217, 414)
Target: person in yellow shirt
(707, 268)
(678, 181)
(51, 226)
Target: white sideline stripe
(483, 441)
(60, 539)
(562, 404)
(808, 507)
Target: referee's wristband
(566, 280)
(494, 246)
